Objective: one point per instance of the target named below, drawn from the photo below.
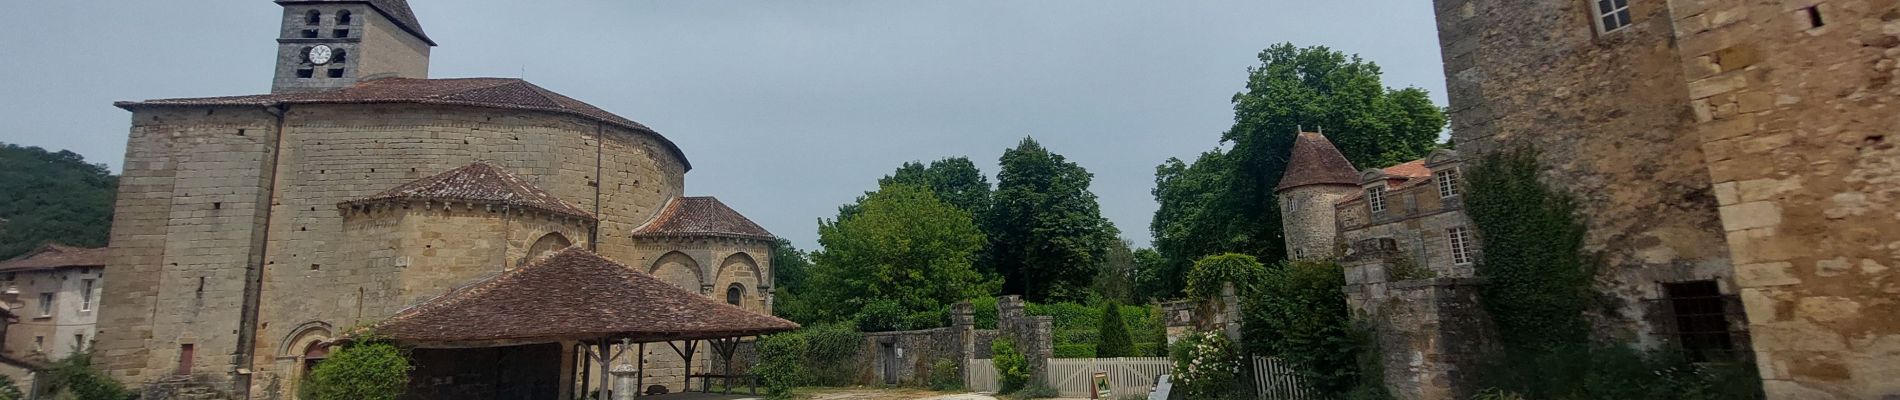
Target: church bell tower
(331, 44)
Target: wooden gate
(1274, 380)
(1126, 376)
(981, 376)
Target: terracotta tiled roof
(56, 256)
(701, 216)
(480, 183)
(1314, 161)
(504, 93)
(396, 10)
(572, 295)
(1405, 175)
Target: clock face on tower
(319, 54)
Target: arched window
(547, 244)
(313, 17)
(735, 293)
(343, 17)
(315, 353)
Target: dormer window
(1613, 15)
(343, 17)
(313, 17)
(1447, 183)
(1375, 196)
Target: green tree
(791, 275)
(48, 197)
(903, 245)
(1120, 274)
(954, 180)
(368, 370)
(1047, 234)
(1116, 341)
(1224, 201)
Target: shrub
(1299, 314)
(1151, 349)
(1115, 341)
(1206, 366)
(983, 311)
(75, 377)
(1205, 279)
(1012, 369)
(1583, 372)
(1037, 391)
(8, 390)
(368, 370)
(927, 319)
(829, 350)
(881, 316)
(1075, 351)
(946, 376)
(780, 357)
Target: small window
(340, 33)
(343, 17)
(85, 295)
(734, 294)
(185, 356)
(313, 17)
(310, 34)
(46, 304)
(1375, 196)
(1460, 239)
(336, 72)
(306, 73)
(338, 56)
(1448, 183)
(39, 344)
(1814, 16)
(1613, 15)
(1702, 319)
(79, 341)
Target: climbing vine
(1538, 280)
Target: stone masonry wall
(1609, 115)
(1798, 123)
(191, 207)
(1307, 214)
(185, 226)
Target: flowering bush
(1206, 365)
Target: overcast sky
(786, 108)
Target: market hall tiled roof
(55, 256)
(479, 183)
(501, 93)
(1315, 161)
(701, 216)
(396, 10)
(571, 295)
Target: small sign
(1102, 390)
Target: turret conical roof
(1314, 161)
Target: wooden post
(580, 349)
(606, 370)
(639, 381)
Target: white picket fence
(1274, 380)
(1126, 376)
(981, 377)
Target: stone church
(250, 230)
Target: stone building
(1720, 150)
(1408, 252)
(251, 229)
(54, 293)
